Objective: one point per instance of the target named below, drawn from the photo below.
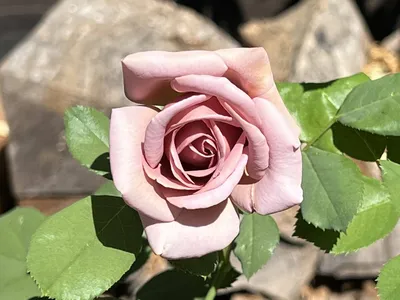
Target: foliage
(83, 250)
(16, 229)
(258, 237)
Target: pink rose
(224, 139)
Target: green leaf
(87, 135)
(374, 106)
(202, 266)
(81, 251)
(391, 179)
(326, 142)
(389, 280)
(314, 105)
(173, 285)
(16, 229)
(332, 187)
(375, 219)
(358, 144)
(393, 148)
(324, 239)
(258, 237)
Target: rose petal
(222, 144)
(188, 134)
(147, 74)
(280, 188)
(175, 162)
(127, 130)
(209, 198)
(208, 110)
(228, 167)
(221, 88)
(202, 173)
(155, 132)
(258, 147)
(166, 180)
(251, 70)
(194, 233)
(191, 142)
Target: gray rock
(365, 263)
(285, 274)
(257, 9)
(17, 17)
(73, 57)
(392, 42)
(312, 41)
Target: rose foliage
(209, 149)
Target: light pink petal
(228, 166)
(192, 141)
(280, 188)
(165, 180)
(250, 69)
(209, 198)
(192, 155)
(222, 144)
(258, 146)
(194, 233)
(155, 132)
(201, 173)
(147, 74)
(188, 134)
(230, 133)
(221, 88)
(175, 162)
(208, 110)
(127, 130)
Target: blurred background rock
(55, 54)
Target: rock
(48, 206)
(312, 40)
(257, 9)
(73, 57)
(392, 42)
(4, 129)
(17, 18)
(286, 221)
(241, 296)
(283, 277)
(382, 61)
(365, 263)
(151, 268)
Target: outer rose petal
(280, 188)
(221, 88)
(127, 130)
(251, 70)
(147, 74)
(194, 233)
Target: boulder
(392, 42)
(257, 9)
(312, 40)
(17, 18)
(365, 263)
(290, 268)
(73, 57)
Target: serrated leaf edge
(57, 296)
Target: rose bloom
(223, 141)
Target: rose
(224, 138)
